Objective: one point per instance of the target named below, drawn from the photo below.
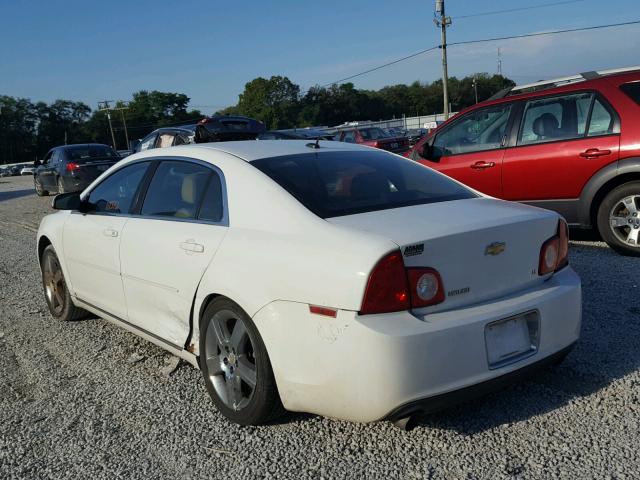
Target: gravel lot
(88, 400)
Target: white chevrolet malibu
(319, 277)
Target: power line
(482, 40)
(518, 9)
(551, 32)
(382, 66)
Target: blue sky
(208, 49)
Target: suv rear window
(632, 90)
(334, 184)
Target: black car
(71, 168)
(167, 137)
(222, 128)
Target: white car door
(166, 249)
(91, 241)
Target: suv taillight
(554, 254)
(71, 166)
(393, 288)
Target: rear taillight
(393, 288)
(387, 289)
(425, 286)
(376, 145)
(554, 253)
(71, 166)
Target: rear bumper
(372, 367)
(76, 184)
(449, 399)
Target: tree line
(28, 130)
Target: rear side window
(176, 190)
(333, 184)
(564, 118)
(632, 90)
(115, 194)
(212, 208)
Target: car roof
(250, 150)
(63, 147)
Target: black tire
(40, 191)
(263, 404)
(61, 188)
(614, 236)
(57, 296)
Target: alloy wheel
(229, 355)
(624, 219)
(53, 283)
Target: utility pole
(442, 21)
(104, 107)
(124, 106)
(499, 62)
(475, 86)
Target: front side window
(477, 131)
(333, 184)
(176, 190)
(147, 142)
(116, 193)
(557, 118)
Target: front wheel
(235, 365)
(619, 219)
(55, 288)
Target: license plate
(394, 145)
(511, 339)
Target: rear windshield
(332, 184)
(83, 153)
(632, 90)
(372, 133)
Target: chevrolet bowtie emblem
(495, 248)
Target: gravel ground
(89, 400)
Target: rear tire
(55, 288)
(40, 191)
(235, 365)
(619, 219)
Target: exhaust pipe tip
(406, 424)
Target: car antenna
(314, 145)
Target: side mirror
(67, 201)
(37, 163)
(426, 151)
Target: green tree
(273, 101)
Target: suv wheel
(619, 219)
(41, 192)
(235, 365)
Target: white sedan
(320, 277)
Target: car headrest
(188, 191)
(546, 125)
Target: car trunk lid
(483, 248)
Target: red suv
(373, 137)
(571, 145)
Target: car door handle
(110, 232)
(483, 165)
(594, 153)
(191, 246)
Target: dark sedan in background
(71, 168)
